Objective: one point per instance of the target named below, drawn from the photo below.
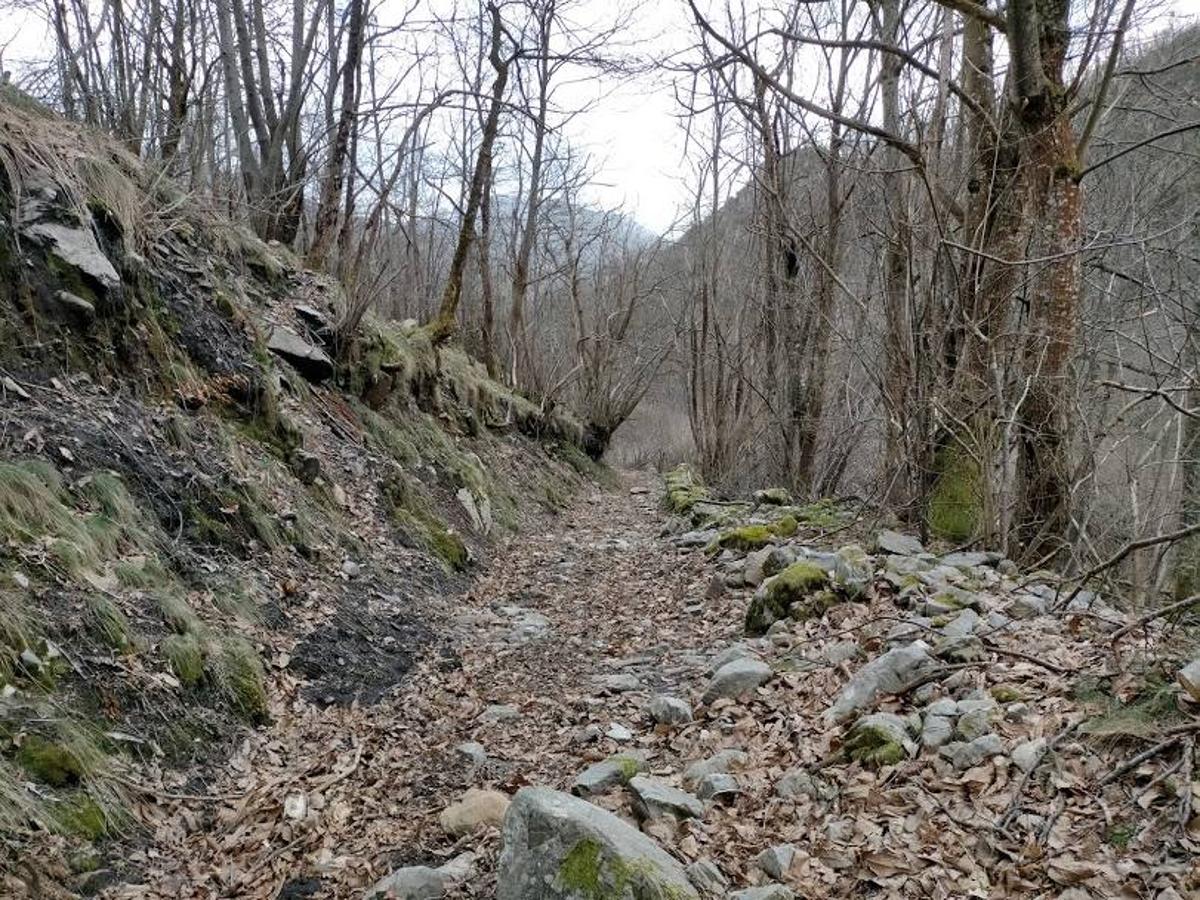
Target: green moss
(1121, 834)
(580, 870)
(755, 537)
(683, 490)
(177, 613)
(1005, 693)
(798, 591)
(185, 656)
(956, 501)
(775, 496)
(238, 672)
(411, 510)
(873, 747)
(628, 765)
(50, 762)
(588, 873)
(81, 816)
(824, 513)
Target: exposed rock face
(557, 847)
(77, 247)
(311, 362)
(1189, 678)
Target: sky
(631, 130)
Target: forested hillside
(387, 510)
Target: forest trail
(555, 649)
(835, 753)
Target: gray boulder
(894, 671)
(410, 883)
(965, 754)
(799, 783)
(898, 544)
(777, 861)
(557, 847)
(936, 731)
(654, 799)
(608, 773)
(736, 678)
(707, 878)
(853, 571)
(667, 710)
(721, 762)
(1189, 679)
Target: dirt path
(328, 800)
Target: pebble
(777, 861)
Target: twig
(1151, 616)
(1015, 806)
(148, 791)
(1141, 544)
(1185, 801)
(1133, 762)
(1057, 670)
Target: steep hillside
(207, 509)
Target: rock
(697, 538)
(618, 732)
(936, 731)
(1026, 756)
(718, 786)
(721, 762)
(479, 512)
(753, 573)
(1027, 605)
(898, 544)
(962, 625)
(527, 626)
(74, 305)
(776, 496)
(619, 683)
(411, 883)
(21, 580)
(839, 652)
(313, 318)
(777, 861)
(800, 783)
(960, 650)
(707, 878)
(668, 710)
(778, 559)
(965, 754)
(800, 591)
(351, 569)
(728, 655)
(890, 673)
(460, 868)
(77, 247)
(557, 847)
(944, 706)
(764, 892)
(600, 777)
(655, 798)
(476, 808)
(974, 723)
(499, 712)
(305, 466)
(472, 752)
(971, 559)
(311, 362)
(853, 571)
(880, 739)
(736, 678)
(1189, 679)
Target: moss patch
(755, 537)
(956, 501)
(684, 490)
(50, 762)
(238, 672)
(873, 746)
(799, 591)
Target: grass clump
(411, 511)
(110, 623)
(238, 673)
(1152, 710)
(185, 657)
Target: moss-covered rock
(684, 490)
(800, 591)
(878, 740)
(776, 496)
(50, 762)
(746, 538)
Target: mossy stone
(49, 762)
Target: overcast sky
(631, 131)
